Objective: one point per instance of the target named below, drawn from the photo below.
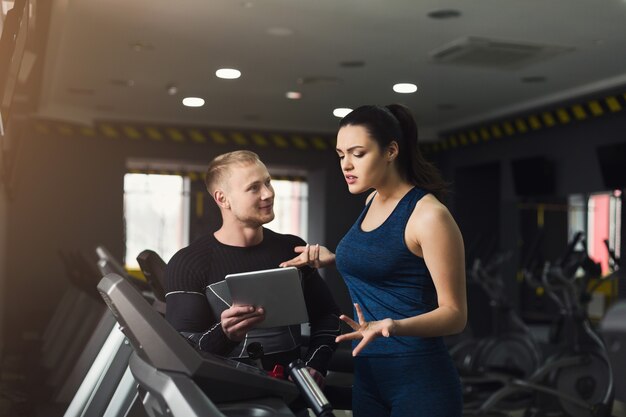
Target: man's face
(249, 192)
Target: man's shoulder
(196, 252)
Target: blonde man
(198, 305)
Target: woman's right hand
(315, 256)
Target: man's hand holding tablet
(275, 294)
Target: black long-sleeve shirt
(197, 294)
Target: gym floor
(619, 410)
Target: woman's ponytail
(416, 169)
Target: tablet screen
(278, 290)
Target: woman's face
(362, 162)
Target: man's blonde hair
(219, 166)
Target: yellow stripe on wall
(199, 204)
(508, 128)
(131, 132)
(548, 119)
(65, 130)
(613, 104)
(534, 122)
(259, 139)
(562, 115)
(579, 112)
(218, 137)
(484, 133)
(239, 139)
(280, 141)
(197, 136)
(495, 130)
(596, 108)
(153, 133)
(175, 134)
(319, 143)
(299, 142)
(87, 131)
(520, 125)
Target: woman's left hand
(365, 330)
(315, 256)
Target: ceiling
(117, 59)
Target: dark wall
(571, 149)
(3, 250)
(69, 196)
(477, 192)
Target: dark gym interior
(521, 106)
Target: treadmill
(107, 388)
(176, 380)
(613, 330)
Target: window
(290, 207)
(157, 212)
(156, 215)
(599, 216)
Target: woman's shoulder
(428, 211)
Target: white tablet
(278, 290)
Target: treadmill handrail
(176, 392)
(151, 336)
(153, 268)
(156, 342)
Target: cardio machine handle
(570, 248)
(611, 252)
(309, 389)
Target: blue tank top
(387, 280)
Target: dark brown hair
(396, 123)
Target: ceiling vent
(494, 53)
(319, 80)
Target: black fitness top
(197, 294)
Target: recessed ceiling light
(104, 107)
(533, 79)
(293, 95)
(141, 46)
(228, 73)
(341, 112)
(280, 31)
(172, 90)
(247, 4)
(444, 14)
(405, 88)
(446, 106)
(120, 82)
(352, 64)
(193, 102)
(20, 98)
(319, 80)
(80, 91)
